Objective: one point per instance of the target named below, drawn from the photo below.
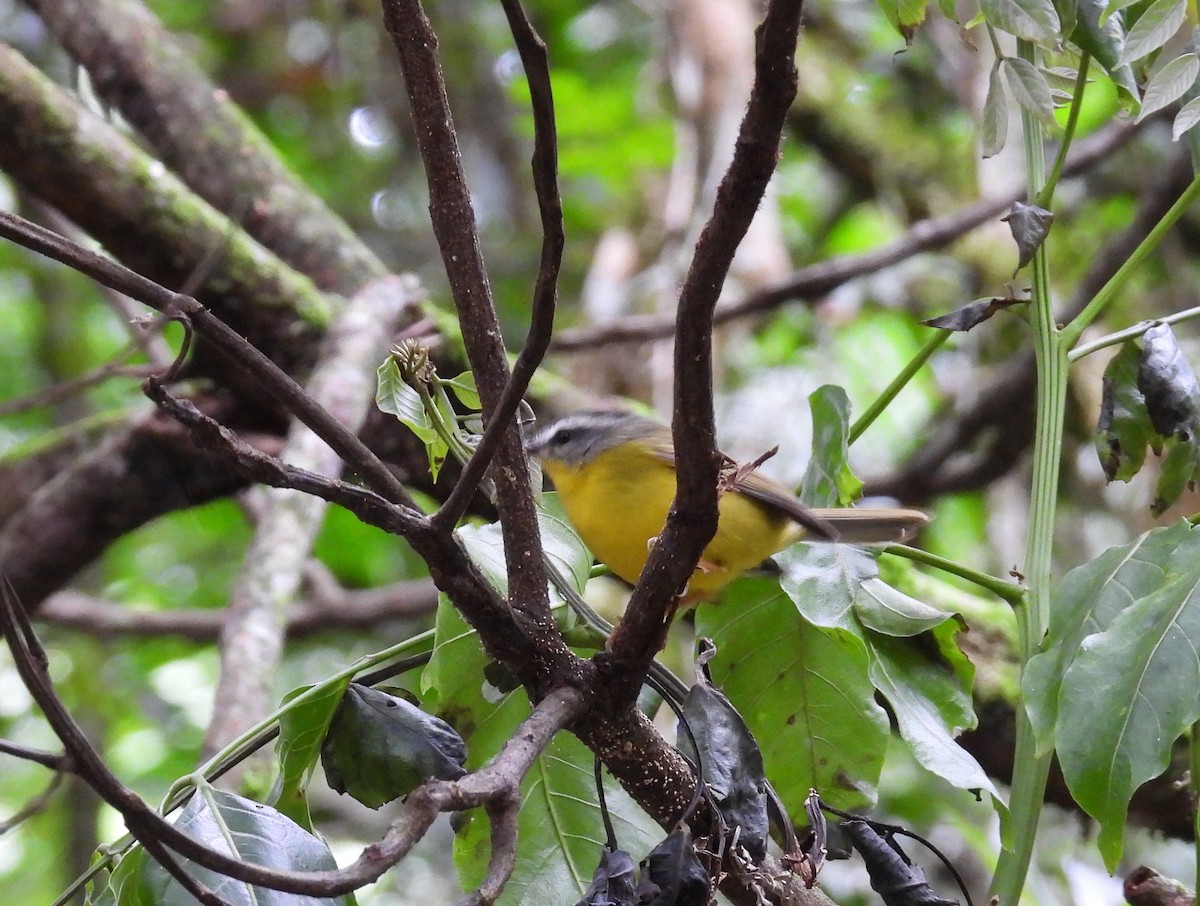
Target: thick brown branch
(139, 68)
(66, 155)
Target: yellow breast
(618, 502)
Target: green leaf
(248, 830)
(1104, 38)
(1169, 84)
(994, 128)
(1087, 600)
(824, 581)
(1124, 430)
(1178, 471)
(804, 692)
(1130, 691)
(828, 480)
(380, 747)
(905, 15)
(1186, 119)
(396, 398)
(932, 705)
(1155, 27)
(891, 612)
(126, 883)
(560, 543)
(1029, 88)
(302, 729)
(464, 388)
(1033, 20)
(559, 826)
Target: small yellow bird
(615, 474)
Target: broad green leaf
(994, 128)
(932, 705)
(1104, 38)
(1033, 20)
(1029, 88)
(1123, 431)
(1186, 119)
(1087, 600)
(560, 831)
(302, 729)
(1131, 691)
(824, 581)
(804, 692)
(1178, 470)
(251, 831)
(1068, 15)
(828, 480)
(1114, 6)
(1155, 27)
(126, 884)
(1169, 84)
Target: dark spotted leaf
(613, 884)
(973, 313)
(672, 875)
(1029, 225)
(380, 747)
(729, 758)
(893, 875)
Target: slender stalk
(1031, 769)
(1102, 299)
(1008, 591)
(889, 393)
(1046, 195)
(1130, 333)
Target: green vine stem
(1046, 195)
(897, 384)
(1008, 591)
(1102, 299)
(1029, 768)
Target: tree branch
(693, 517)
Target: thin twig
(545, 292)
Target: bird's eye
(563, 436)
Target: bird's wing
(772, 494)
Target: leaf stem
(1008, 591)
(1102, 299)
(897, 384)
(1130, 333)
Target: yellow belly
(618, 503)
